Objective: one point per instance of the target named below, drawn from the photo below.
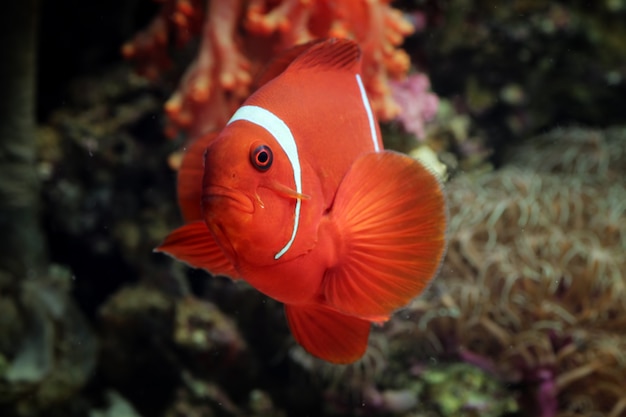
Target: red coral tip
(128, 50)
(185, 8)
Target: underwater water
(518, 106)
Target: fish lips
(214, 196)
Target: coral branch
(239, 37)
(177, 22)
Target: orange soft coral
(239, 36)
(177, 22)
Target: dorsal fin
(279, 64)
(323, 53)
(330, 54)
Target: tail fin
(391, 216)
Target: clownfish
(297, 197)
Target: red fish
(297, 197)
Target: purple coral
(417, 104)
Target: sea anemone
(533, 287)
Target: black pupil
(261, 157)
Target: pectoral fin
(194, 245)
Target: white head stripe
(281, 132)
(368, 110)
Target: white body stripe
(368, 110)
(281, 132)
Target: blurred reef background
(521, 104)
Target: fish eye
(261, 157)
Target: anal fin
(194, 244)
(328, 334)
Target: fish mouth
(236, 199)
